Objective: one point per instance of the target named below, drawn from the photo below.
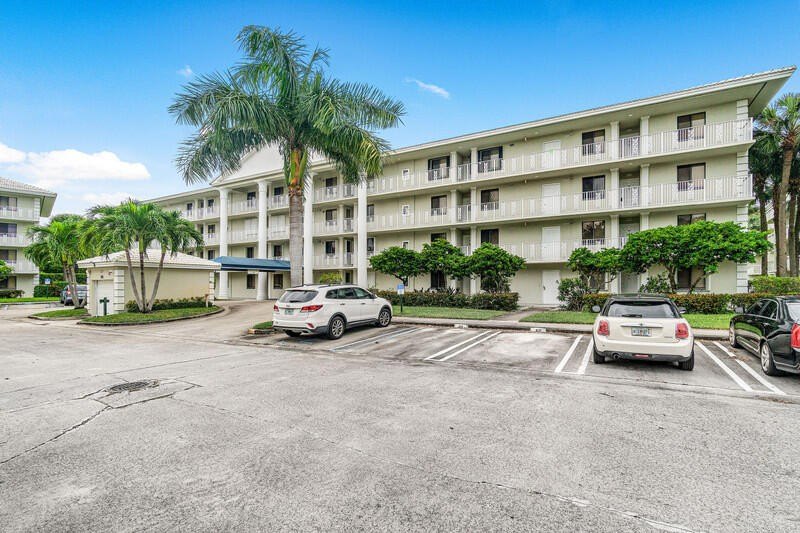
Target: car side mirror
(595, 309)
(372, 296)
(738, 310)
(682, 310)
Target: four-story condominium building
(538, 189)
(21, 205)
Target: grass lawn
(586, 317)
(63, 313)
(446, 312)
(263, 325)
(28, 300)
(155, 316)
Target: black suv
(769, 328)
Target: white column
(453, 170)
(473, 162)
(644, 221)
(453, 283)
(616, 196)
(644, 184)
(361, 235)
(615, 140)
(222, 291)
(644, 131)
(473, 204)
(473, 243)
(453, 207)
(308, 231)
(263, 277)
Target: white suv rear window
(641, 310)
(297, 296)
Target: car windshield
(794, 310)
(297, 296)
(641, 310)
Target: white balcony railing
(200, 213)
(18, 213)
(22, 266)
(14, 239)
(334, 192)
(329, 227)
(242, 236)
(704, 191)
(276, 202)
(210, 239)
(278, 232)
(558, 251)
(660, 143)
(245, 206)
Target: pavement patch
(131, 392)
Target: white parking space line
(465, 348)
(724, 367)
(586, 354)
(444, 351)
(569, 353)
(761, 379)
(383, 336)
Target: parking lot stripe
(724, 367)
(761, 379)
(586, 354)
(569, 353)
(390, 334)
(465, 348)
(441, 352)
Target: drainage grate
(132, 386)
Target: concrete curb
(713, 334)
(83, 323)
(55, 319)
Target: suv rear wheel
(767, 362)
(336, 327)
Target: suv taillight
(310, 308)
(275, 308)
(603, 329)
(682, 330)
(795, 335)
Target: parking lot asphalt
(395, 429)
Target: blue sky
(84, 86)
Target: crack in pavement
(58, 436)
(657, 524)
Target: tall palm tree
(134, 227)
(765, 168)
(781, 122)
(59, 242)
(281, 96)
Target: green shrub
(330, 278)
(11, 293)
(702, 303)
(572, 292)
(54, 289)
(499, 301)
(745, 299)
(161, 305)
(656, 284)
(590, 300)
(775, 285)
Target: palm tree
(781, 122)
(133, 226)
(59, 242)
(280, 96)
(765, 167)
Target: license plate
(640, 332)
(288, 311)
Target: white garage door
(103, 288)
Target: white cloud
(186, 71)
(105, 198)
(431, 88)
(10, 155)
(49, 169)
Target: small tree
(596, 269)
(5, 270)
(494, 266)
(330, 278)
(441, 256)
(402, 263)
(701, 246)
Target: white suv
(328, 309)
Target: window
(330, 182)
(490, 159)
(210, 254)
(277, 250)
(691, 124)
(691, 177)
(370, 245)
(436, 236)
(277, 281)
(687, 277)
(251, 196)
(297, 296)
(438, 280)
(189, 207)
(211, 229)
(4, 283)
(593, 232)
(370, 212)
(361, 294)
(770, 309)
(348, 277)
(685, 220)
(406, 174)
(794, 310)
(641, 310)
(252, 279)
(210, 202)
(405, 210)
(593, 142)
(594, 188)
(277, 191)
(405, 244)
(8, 255)
(330, 215)
(437, 168)
(8, 203)
(200, 203)
(250, 252)
(8, 229)
(490, 199)
(330, 247)
(439, 205)
(492, 236)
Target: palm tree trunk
(762, 214)
(141, 276)
(296, 236)
(156, 281)
(69, 277)
(791, 240)
(780, 213)
(134, 288)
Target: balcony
(660, 143)
(704, 191)
(335, 192)
(22, 266)
(330, 227)
(245, 206)
(278, 232)
(345, 260)
(242, 236)
(18, 213)
(544, 252)
(280, 201)
(14, 239)
(200, 213)
(210, 239)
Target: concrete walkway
(715, 334)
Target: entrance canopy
(244, 264)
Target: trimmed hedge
(54, 289)
(161, 305)
(11, 293)
(703, 303)
(497, 301)
(775, 285)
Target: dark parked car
(769, 328)
(66, 294)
